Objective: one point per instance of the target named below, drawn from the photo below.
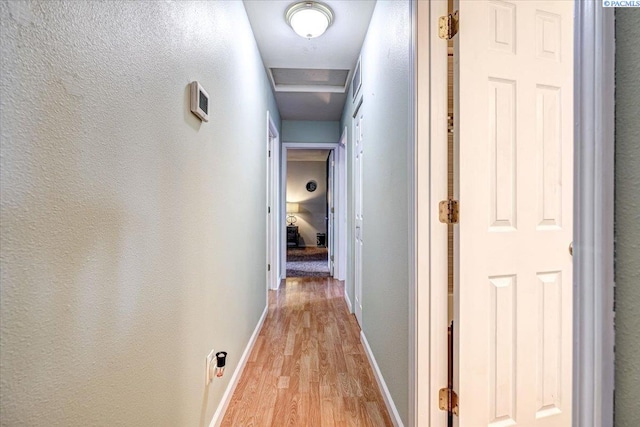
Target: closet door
(513, 270)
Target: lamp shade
(309, 19)
(293, 207)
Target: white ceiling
(303, 96)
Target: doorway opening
(309, 208)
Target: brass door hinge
(449, 211)
(447, 398)
(448, 26)
(448, 401)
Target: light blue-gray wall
(120, 231)
(627, 217)
(310, 131)
(386, 126)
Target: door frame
(593, 356)
(340, 223)
(273, 189)
(593, 269)
(282, 208)
(331, 211)
(356, 269)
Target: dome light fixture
(309, 19)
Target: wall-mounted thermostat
(199, 101)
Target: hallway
(132, 229)
(135, 238)
(308, 366)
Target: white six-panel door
(358, 152)
(514, 143)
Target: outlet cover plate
(209, 369)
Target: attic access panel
(308, 79)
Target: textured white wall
(123, 217)
(627, 410)
(385, 88)
(313, 205)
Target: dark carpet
(307, 262)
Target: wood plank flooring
(308, 367)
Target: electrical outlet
(210, 367)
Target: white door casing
(513, 270)
(273, 243)
(282, 202)
(330, 211)
(271, 234)
(340, 246)
(358, 152)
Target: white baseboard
(228, 393)
(391, 407)
(348, 301)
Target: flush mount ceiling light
(309, 19)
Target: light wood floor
(308, 367)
